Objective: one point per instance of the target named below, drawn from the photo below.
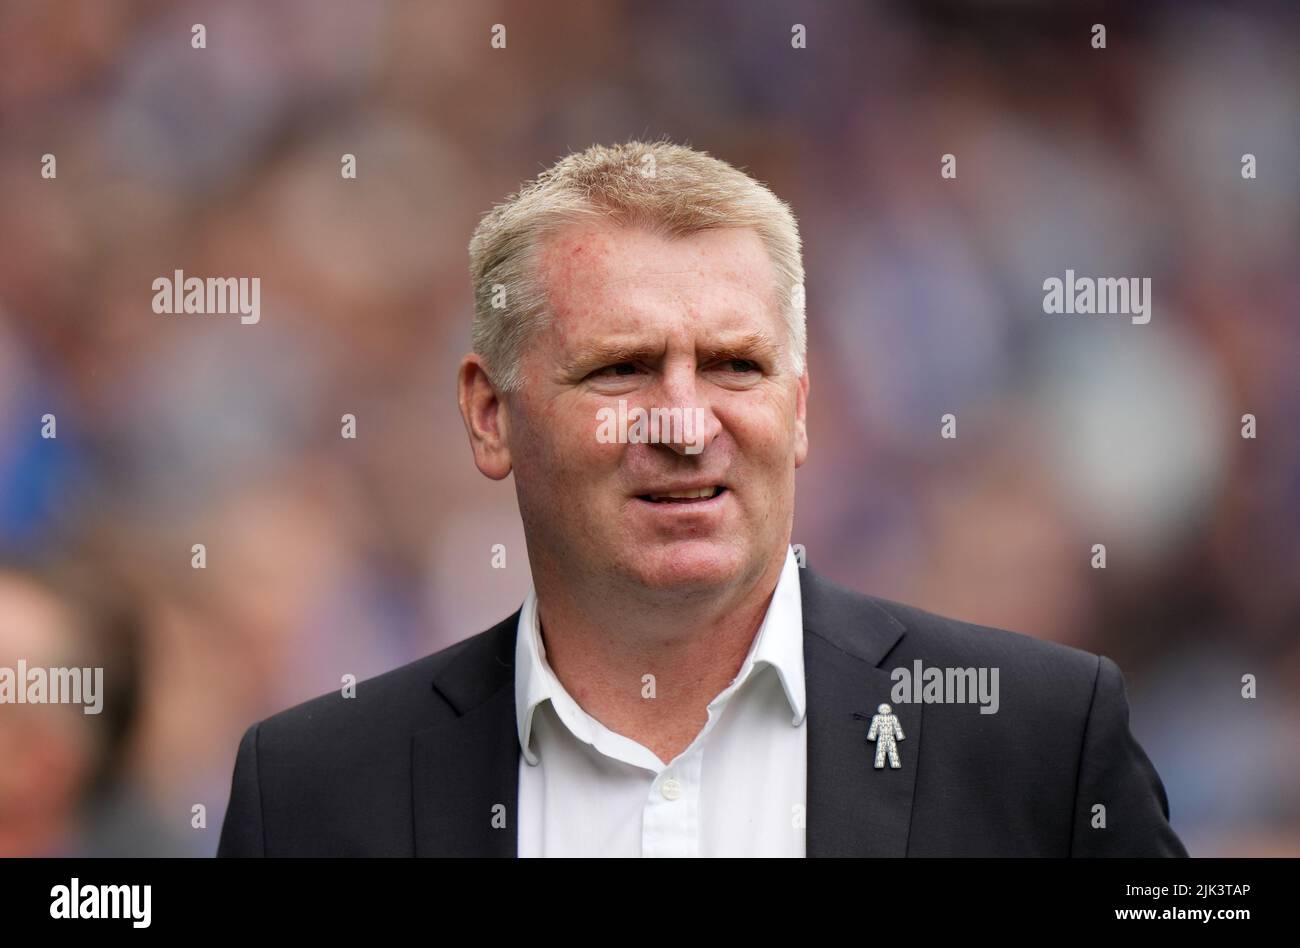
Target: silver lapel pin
(886, 732)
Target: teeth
(703, 492)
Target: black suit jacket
(415, 763)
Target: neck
(602, 651)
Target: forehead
(32, 621)
(614, 272)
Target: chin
(688, 566)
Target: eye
(735, 373)
(613, 371)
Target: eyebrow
(731, 345)
(598, 354)
(753, 343)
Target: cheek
(560, 450)
(764, 431)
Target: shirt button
(671, 789)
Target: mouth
(693, 496)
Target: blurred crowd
(328, 556)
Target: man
(675, 684)
(70, 640)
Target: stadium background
(328, 556)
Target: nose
(690, 426)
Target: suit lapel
(853, 809)
(464, 768)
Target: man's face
(689, 324)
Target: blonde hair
(670, 189)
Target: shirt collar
(779, 643)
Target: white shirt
(738, 790)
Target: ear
(485, 418)
(801, 420)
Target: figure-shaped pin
(885, 731)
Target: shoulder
(952, 639)
(1033, 673)
(335, 775)
(383, 712)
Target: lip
(684, 508)
(676, 488)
